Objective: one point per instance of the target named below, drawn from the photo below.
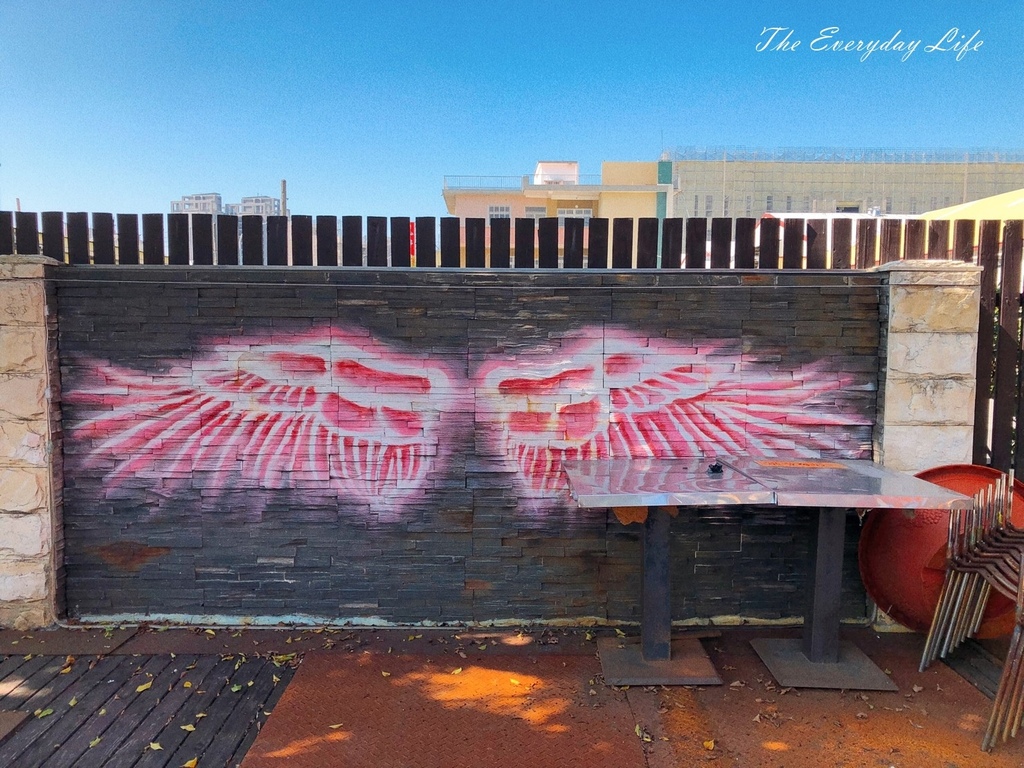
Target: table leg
(656, 591)
(821, 622)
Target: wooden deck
(134, 710)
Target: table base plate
(623, 664)
(789, 666)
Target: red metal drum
(902, 553)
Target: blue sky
(365, 107)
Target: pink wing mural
(329, 409)
(602, 393)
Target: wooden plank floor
(135, 711)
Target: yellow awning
(1008, 205)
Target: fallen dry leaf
(335, 726)
(190, 763)
(94, 742)
(385, 674)
(709, 744)
(457, 671)
(188, 728)
(155, 746)
(144, 687)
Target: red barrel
(902, 553)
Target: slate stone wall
(384, 445)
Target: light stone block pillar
(927, 376)
(929, 351)
(31, 534)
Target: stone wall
(31, 533)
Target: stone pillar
(927, 382)
(31, 535)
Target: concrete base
(623, 664)
(789, 666)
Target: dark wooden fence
(377, 241)
(644, 243)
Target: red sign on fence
(412, 240)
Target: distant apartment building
(709, 183)
(261, 205)
(211, 202)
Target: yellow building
(556, 188)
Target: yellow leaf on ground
(513, 681)
(144, 687)
(335, 726)
(187, 684)
(457, 671)
(191, 763)
(188, 728)
(155, 745)
(709, 744)
(385, 674)
(74, 700)
(210, 632)
(66, 670)
(94, 742)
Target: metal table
(657, 487)
(831, 488)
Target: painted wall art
(338, 409)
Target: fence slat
(400, 241)
(277, 241)
(914, 247)
(26, 241)
(327, 241)
(768, 247)
(103, 238)
(743, 248)
(524, 258)
(302, 241)
(793, 244)
(867, 232)
(547, 243)
(597, 244)
(227, 240)
(202, 238)
(938, 240)
(721, 243)
(252, 239)
(842, 243)
(426, 242)
(351, 241)
(672, 244)
(152, 238)
(892, 230)
(1006, 404)
(476, 243)
(127, 238)
(622, 243)
(177, 238)
(377, 241)
(6, 232)
(988, 258)
(573, 243)
(451, 244)
(696, 243)
(963, 240)
(647, 243)
(817, 244)
(501, 243)
(54, 242)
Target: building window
(789, 203)
(499, 212)
(750, 204)
(696, 205)
(574, 213)
(536, 212)
(769, 204)
(709, 204)
(888, 205)
(725, 206)
(913, 205)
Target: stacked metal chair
(984, 552)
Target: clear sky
(365, 107)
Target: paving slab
(381, 710)
(65, 641)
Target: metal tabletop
(845, 483)
(661, 483)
